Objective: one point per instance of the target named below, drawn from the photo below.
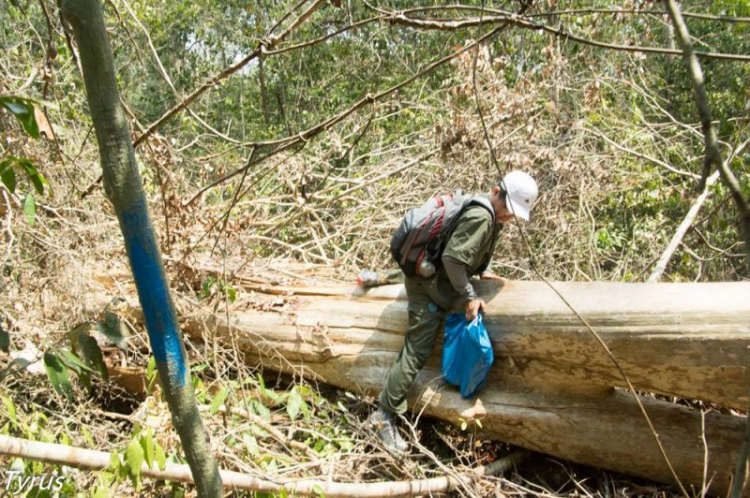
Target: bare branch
(515, 20)
(661, 265)
(321, 39)
(472, 8)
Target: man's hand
(488, 275)
(474, 307)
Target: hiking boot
(384, 426)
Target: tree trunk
(123, 187)
(263, 95)
(552, 388)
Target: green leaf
(4, 339)
(114, 463)
(479, 423)
(151, 368)
(319, 490)
(134, 458)
(218, 401)
(90, 350)
(11, 408)
(39, 182)
(8, 176)
(37, 492)
(85, 378)
(160, 457)
(15, 108)
(29, 209)
(267, 393)
(261, 410)
(23, 110)
(101, 493)
(251, 444)
(231, 293)
(178, 491)
(293, 404)
(65, 439)
(34, 175)
(87, 436)
(147, 443)
(206, 287)
(199, 367)
(114, 330)
(58, 375)
(73, 362)
(200, 389)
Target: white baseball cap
(521, 193)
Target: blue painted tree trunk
(122, 184)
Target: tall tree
(122, 184)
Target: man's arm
(472, 232)
(459, 279)
(456, 271)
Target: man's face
(502, 213)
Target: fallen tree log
(553, 388)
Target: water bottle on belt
(426, 269)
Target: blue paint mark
(161, 319)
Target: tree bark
(263, 95)
(123, 187)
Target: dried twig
(98, 460)
(661, 265)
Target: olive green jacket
(472, 243)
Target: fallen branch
(83, 458)
(682, 230)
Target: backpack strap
(480, 200)
(475, 200)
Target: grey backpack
(419, 241)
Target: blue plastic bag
(467, 353)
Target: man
(467, 253)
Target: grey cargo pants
(425, 318)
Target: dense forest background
(273, 142)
